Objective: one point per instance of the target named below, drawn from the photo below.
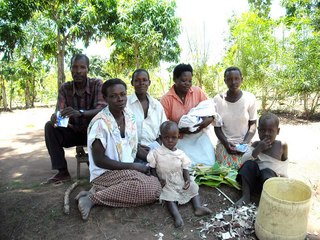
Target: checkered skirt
(124, 188)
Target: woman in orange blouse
(178, 101)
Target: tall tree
(252, 47)
(303, 18)
(13, 15)
(146, 34)
(77, 20)
(199, 55)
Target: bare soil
(29, 210)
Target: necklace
(120, 122)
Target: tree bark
(4, 95)
(27, 94)
(60, 59)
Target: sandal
(59, 178)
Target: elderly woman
(177, 102)
(112, 146)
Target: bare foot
(84, 205)
(242, 201)
(178, 222)
(81, 194)
(202, 211)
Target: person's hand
(142, 152)
(264, 144)
(230, 147)
(53, 119)
(187, 131)
(141, 168)
(206, 121)
(163, 182)
(70, 112)
(184, 130)
(186, 185)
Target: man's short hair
(78, 57)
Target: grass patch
(19, 185)
(55, 213)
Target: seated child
(268, 159)
(170, 165)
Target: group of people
(140, 150)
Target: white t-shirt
(235, 116)
(149, 127)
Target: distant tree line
(280, 59)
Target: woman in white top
(112, 146)
(238, 111)
(148, 111)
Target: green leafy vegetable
(215, 175)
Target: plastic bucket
(283, 210)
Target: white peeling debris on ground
(233, 223)
(159, 236)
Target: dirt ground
(29, 210)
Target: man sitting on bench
(79, 101)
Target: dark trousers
(58, 138)
(254, 176)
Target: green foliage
(82, 20)
(51, 29)
(262, 7)
(13, 15)
(35, 34)
(278, 66)
(146, 34)
(215, 176)
(74, 20)
(303, 17)
(98, 67)
(302, 12)
(253, 49)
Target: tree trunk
(306, 105)
(264, 100)
(27, 94)
(11, 94)
(32, 92)
(60, 59)
(136, 54)
(4, 95)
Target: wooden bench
(82, 157)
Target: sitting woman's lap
(198, 147)
(125, 188)
(226, 159)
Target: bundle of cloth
(200, 146)
(203, 109)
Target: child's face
(268, 129)
(170, 138)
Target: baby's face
(170, 138)
(268, 129)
